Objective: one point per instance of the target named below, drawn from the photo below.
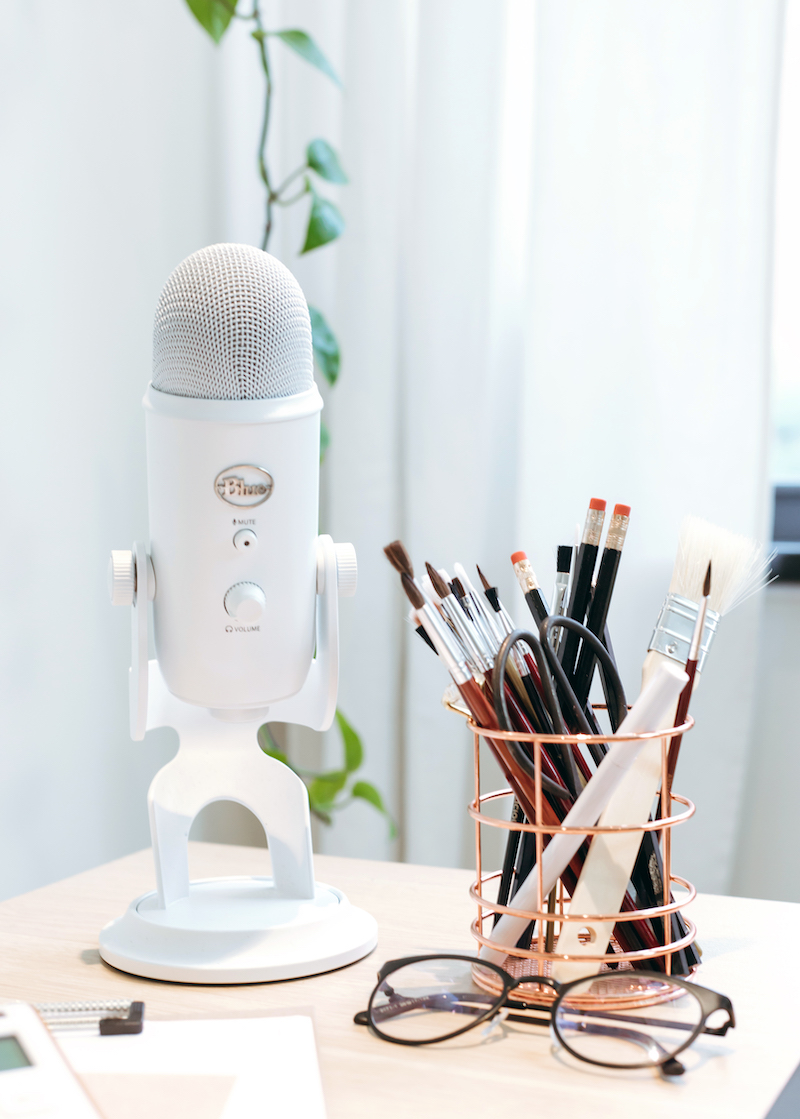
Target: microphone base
(238, 930)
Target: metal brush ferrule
(445, 643)
(485, 624)
(593, 528)
(526, 576)
(506, 619)
(560, 593)
(616, 531)
(674, 627)
(467, 634)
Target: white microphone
(245, 610)
(232, 417)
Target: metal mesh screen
(232, 324)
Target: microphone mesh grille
(232, 324)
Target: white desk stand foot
(234, 930)
(238, 930)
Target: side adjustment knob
(245, 602)
(346, 570)
(121, 579)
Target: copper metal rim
(560, 739)
(565, 915)
(541, 995)
(653, 825)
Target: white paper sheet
(273, 1060)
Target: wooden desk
(48, 951)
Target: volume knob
(346, 570)
(121, 579)
(245, 602)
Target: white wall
(107, 126)
(766, 853)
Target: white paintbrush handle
(609, 864)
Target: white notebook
(208, 1069)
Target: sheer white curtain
(109, 153)
(649, 327)
(554, 284)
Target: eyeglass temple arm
(717, 1031)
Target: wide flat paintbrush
(739, 571)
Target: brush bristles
(415, 596)
(439, 584)
(399, 558)
(487, 586)
(740, 569)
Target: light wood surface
(48, 952)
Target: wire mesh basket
(552, 914)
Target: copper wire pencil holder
(538, 960)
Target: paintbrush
(691, 670)
(561, 587)
(400, 560)
(470, 637)
(452, 655)
(740, 569)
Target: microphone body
(233, 439)
(233, 489)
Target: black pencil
(601, 598)
(582, 581)
(530, 587)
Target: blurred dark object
(786, 534)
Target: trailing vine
(335, 789)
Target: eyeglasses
(618, 1019)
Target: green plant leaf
(365, 791)
(325, 786)
(325, 223)
(302, 44)
(324, 440)
(353, 750)
(213, 15)
(321, 158)
(269, 745)
(326, 348)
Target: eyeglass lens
(432, 999)
(626, 1019)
